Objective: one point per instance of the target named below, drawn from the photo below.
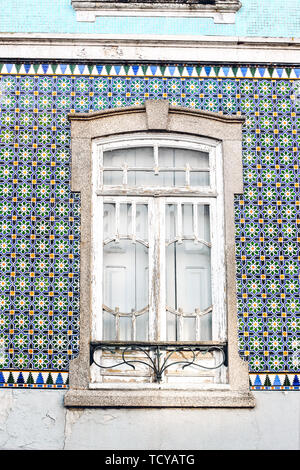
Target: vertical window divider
(117, 323)
(152, 324)
(133, 327)
(180, 324)
(195, 222)
(125, 174)
(156, 167)
(100, 165)
(117, 221)
(97, 253)
(198, 324)
(187, 174)
(161, 230)
(97, 261)
(133, 220)
(219, 325)
(179, 222)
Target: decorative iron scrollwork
(159, 355)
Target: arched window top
(197, 130)
(157, 161)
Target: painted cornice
(222, 11)
(149, 48)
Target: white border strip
(101, 47)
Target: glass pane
(125, 280)
(143, 178)
(133, 157)
(136, 167)
(195, 221)
(124, 219)
(187, 219)
(141, 225)
(171, 327)
(199, 178)
(125, 329)
(189, 329)
(188, 276)
(112, 177)
(122, 222)
(176, 157)
(188, 271)
(109, 326)
(142, 327)
(203, 222)
(180, 159)
(109, 226)
(141, 157)
(149, 178)
(170, 221)
(188, 285)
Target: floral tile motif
(40, 217)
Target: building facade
(77, 78)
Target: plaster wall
(273, 424)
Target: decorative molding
(222, 11)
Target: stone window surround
(222, 11)
(156, 115)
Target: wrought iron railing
(158, 355)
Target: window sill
(166, 398)
(223, 11)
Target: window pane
(176, 157)
(125, 275)
(125, 219)
(125, 280)
(187, 220)
(113, 177)
(173, 167)
(183, 159)
(143, 178)
(203, 222)
(109, 221)
(141, 223)
(188, 272)
(141, 156)
(199, 178)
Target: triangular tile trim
(153, 70)
(273, 381)
(33, 379)
(59, 379)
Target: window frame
(156, 116)
(212, 195)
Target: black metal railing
(158, 355)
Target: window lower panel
(160, 362)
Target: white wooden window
(158, 251)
